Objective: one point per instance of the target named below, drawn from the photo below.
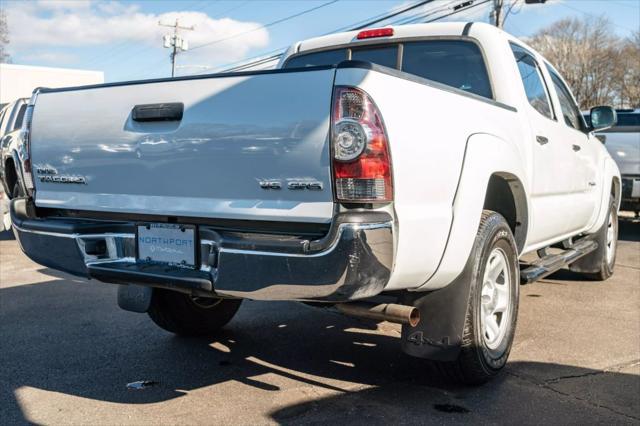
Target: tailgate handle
(158, 112)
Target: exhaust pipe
(399, 314)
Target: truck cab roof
(400, 32)
(491, 41)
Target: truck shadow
(69, 337)
(7, 236)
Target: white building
(18, 81)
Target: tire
(485, 348)
(599, 264)
(17, 191)
(185, 315)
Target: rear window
(326, 57)
(386, 56)
(456, 63)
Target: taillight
(361, 161)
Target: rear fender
(439, 336)
(610, 176)
(485, 155)
(11, 177)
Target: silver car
(623, 143)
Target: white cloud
(64, 4)
(48, 24)
(51, 57)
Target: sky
(124, 39)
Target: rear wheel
(16, 192)
(492, 309)
(188, 315)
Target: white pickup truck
(397, 173)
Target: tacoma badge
(47, 173)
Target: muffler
(399, 314)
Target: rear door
(552, 187)
(251, 146)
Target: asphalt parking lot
(67, 353)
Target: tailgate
(238, 138)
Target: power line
(374, 20)
(594, 16)
(406, 9)
(202, 7)
(255, 63)
(143, 70)
(455, 8)
(413, 18)
(242, 62)
(123, 46)
(260, 59)
(344, 28)
(266, 25)
(270, 24)
(457, 11)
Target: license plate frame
(165, 249)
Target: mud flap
(438, 336)
(134, 298)
(592, 262)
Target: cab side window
(532, 80)
(18, 123)
(9, 114)
(570, 110)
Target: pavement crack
(610, 369)
(574, 376)
(546, 384)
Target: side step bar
(551, 263)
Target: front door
(575, 139)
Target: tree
(628, 76)
(598, 66)
(4, 38)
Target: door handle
(576, 148)
(158, 112)
(542, 140)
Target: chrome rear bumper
(353, 261)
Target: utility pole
(175, 42)
(496, 13)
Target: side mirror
(603, 117)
